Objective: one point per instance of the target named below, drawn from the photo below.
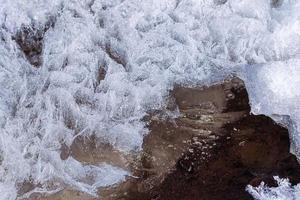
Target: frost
(284, 191)
(106, 64)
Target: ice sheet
(107, 63)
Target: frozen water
(284, 191)
(107, 63)
(274, 91)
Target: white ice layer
(284, 191)
(144, 47)
(274, 90)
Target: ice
(284, 191)
(106, 64)
(274, 91)
(16, 13)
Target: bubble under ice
(141, 49)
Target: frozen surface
(284, 191)
(107, 63)
(274, 91)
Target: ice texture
(106, 64)
(274, 91)
(284, 191)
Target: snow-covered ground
(144, 47)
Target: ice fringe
(284, 191)
(107, 63)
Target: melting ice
(105, 64)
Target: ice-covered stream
(106, 63)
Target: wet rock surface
(212, 151)
(254, 150)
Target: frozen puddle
(96, 68)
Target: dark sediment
(255, 150)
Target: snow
(145, 48)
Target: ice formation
(284, 191)
(106, 63)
